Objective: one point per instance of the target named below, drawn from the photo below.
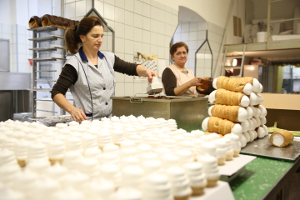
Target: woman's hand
(196, 81)
(78, 115)
(150, 75)
(143, 71)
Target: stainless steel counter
(188, 112)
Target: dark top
(68, 75)
(170, 83)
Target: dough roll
(225, 112)
(227, 97)
(233, 84)
(221, 126)
(35, 22)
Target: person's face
(93, 39)
(180, 56)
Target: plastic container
(261, 36)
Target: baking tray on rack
(263, 148)
(52, 120)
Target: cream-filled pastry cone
(243, 84)
(261, 87)
(250, 112)
(281, 138)
(261, 132)
(221, 126)
(253, 99)
(245, 125)
(260, 98)
(226, 97)
(263, 111)
(232, 113)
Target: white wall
(140, 25)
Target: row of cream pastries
(160, 157)
(237, 109)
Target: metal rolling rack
(47, 48)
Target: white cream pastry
(8, 193)
(74, 179)
(72, 159)
(20, 150)
(104, 138)
(113, 158)
(184, 156)
(235, 143)
(43, 185)
(73, 123)
(89, 141)
(117, 136)
(151, 166)
(90, 167)
(56, 150)
(8, 173)
(229, 148)
(128, 152)
(197, 179)
(111, 172)
(111, 148)
(197, 133)
(7, 157)
(179, 183)
(221, 150)
(210, 169)
(56, 171)
(24, 181)
(169, 159)
(132, 176)
(157, 187)
(99, 188)
(37, 151)
(124, 193)
(209, 148)
(69, 192)
(74, 144)
(129, 160)
(148, 156)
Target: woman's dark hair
(174, 47)
(72, 39)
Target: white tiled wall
(193, 34)
(140, 26)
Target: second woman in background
(179, 80)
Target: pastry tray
(262, 147)
(52, 120)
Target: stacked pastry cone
(237, 109)
(51, 20)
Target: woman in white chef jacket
(89, 73)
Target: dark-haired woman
(179, 80)
(89, 73)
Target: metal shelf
(40, 90)
(46, 71)
(49, 38)
(45, 28)
(46, 48)
(46, 59)
(43, 80)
